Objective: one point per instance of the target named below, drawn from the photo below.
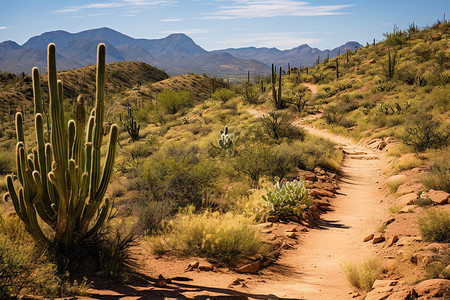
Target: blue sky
(218, 24)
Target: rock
(207, 268)
(406, 293)
(445, 274)
(386, 223)
(319, 193)
(272, 218)
(383, 283)
(325, 186)
(265, 225)
(293, 229)
(407, 199)
(319, 170)
(293, 218)
(237, 281)
(372, 61)
(439, 247)
(307, 175)
(378, 238)
(407, 209)
(423, 258)
(399, 177)
(369, 237)
(408, 240)
(193, 265)
(381, 145)
(392, 240)
(409, 188)
(256, 257)
(267, 231)
(253, 267)
(433, 288)
(266, 263)
(290, 234)
(379, 293)
(161, 281)
(438, 197)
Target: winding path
(312, 270)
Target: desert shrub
(172, 102)
(406, 163)
(150, 213)
(179, 173)
(224, 237)
(435, 226)
(363, 275)
(6, 163)
(115, 257)
(317, 152)
(394, 184)
(278, 126)
(439, 176)
(423, 132)
(24, 269)
(287, 198)
(223, 95)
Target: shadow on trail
(327, 224)
(143, 288)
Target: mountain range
(176, 54)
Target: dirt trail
(312, 271)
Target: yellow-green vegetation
(394, 184)
(439, 177)
(392, 88)
(225, 237)
(435, 226)
(362, 275)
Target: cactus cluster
(131, 126)
(60, 181)
(226, 140)
(276, 95)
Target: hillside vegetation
(200, 163)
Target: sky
(220, 24)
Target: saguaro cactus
(131, 125)
(61, 181)
(276, 95)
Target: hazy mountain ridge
(176, 53)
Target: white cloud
(124, 4)
(3, 27)
(171, 20)
(282, 40)
(273, 8)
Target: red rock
(433, 288)
(253, 267)
(392, 240)
(369, 237)
(438, 197)
(378, 239)
(407, 199)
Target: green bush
(423, 132)
(179, 173)
(172, 102)
(24, 269)
(435, 226)
(223, 237)
(223, 95)
(439, 176)
(6, 163)
(287, 198)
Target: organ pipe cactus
(131, 126)
(61, 182)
